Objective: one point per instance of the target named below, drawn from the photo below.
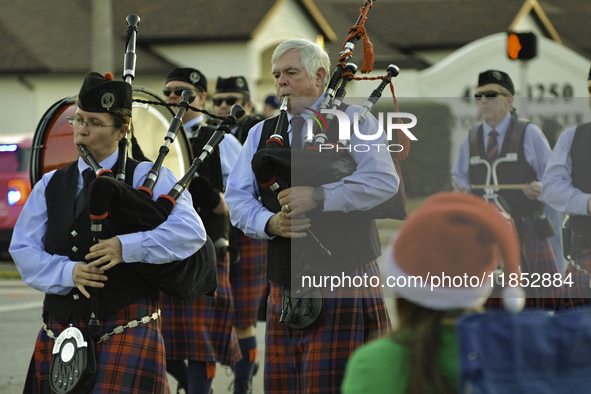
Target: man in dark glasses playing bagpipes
(248, 269)
(311, 357)
(201, 332)
(54, 251)
(516, 151)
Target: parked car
(15, 186)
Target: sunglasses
(177, 91)
(230, 100)
(487, 94)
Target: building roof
(55, 37)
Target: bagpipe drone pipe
(117, 208)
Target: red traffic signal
(522, 46)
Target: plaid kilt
(540, 264)
(130, 362)
(578, 293)
(202, 329)
(249, 280)
(314, 360)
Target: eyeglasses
(487, 94)
(92, 125)
(230, 100)
(177, 91)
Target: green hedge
(426, 170)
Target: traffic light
(522, 46)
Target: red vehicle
(15, 187)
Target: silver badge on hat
(240, 82)
(194, 77)
(497, 75)
(107, 101)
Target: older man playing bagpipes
(312, 332)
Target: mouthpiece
(284, 103)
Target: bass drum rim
(54, 119)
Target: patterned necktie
(297, 124)
(82, 199)
(492, 147)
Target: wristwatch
(319, 195)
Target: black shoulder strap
(473, 140)
(516, 130)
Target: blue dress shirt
(181, 235)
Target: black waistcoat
(517, 172)
(71, 237)
(352, 239)
(216, 226)
(581, 175)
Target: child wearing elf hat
(451, 236)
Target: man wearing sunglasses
(567, 188)
(202, 331)
(248, 270)
(230, 91)
(500, 137)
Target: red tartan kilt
(540, 270)
(579, 292)
(202, 329)
(130, 362)
(313, 360)
(249, 281)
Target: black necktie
(492, 147)
(297, 124)
(82, 199)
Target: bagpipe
(116, 208)
(319, 162)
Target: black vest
(581, 160)
(517, 172)
(245, 125)
(353, 240)
(216, 226)
(71, 237)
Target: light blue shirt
(374, 181)
(557, 184)
(536, 148)
(229, 148)
(180, 236)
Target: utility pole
(101, 17)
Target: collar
(108, 163)
(314, 106)
(189, 125)
(501, 128)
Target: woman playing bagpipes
(54, 251)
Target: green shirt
(382, 366)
